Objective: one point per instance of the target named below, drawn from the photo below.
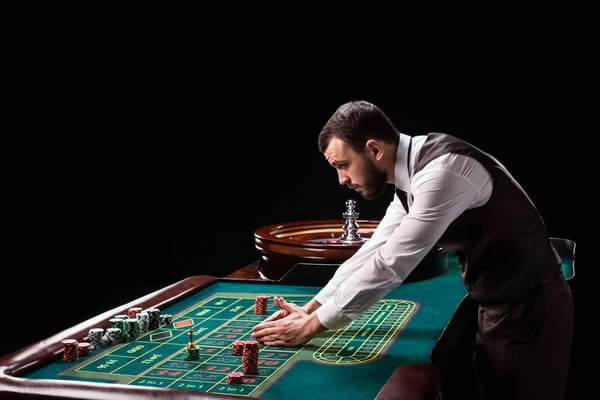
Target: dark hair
(356, 122)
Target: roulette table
(395, 350)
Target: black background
(126, 181)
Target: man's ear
(374, 149)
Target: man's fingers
(262, 333)
(277, 301)
(275, 342)
(276, 315)
(262, 325)
(289, 307)
(271, 317)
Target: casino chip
(70, 350)
(133, 311)
(165, 319)
(143, 321)
(250, 357)
(131, 329)
(95, 337)
(261, 305)
(237, 348)
(192, 352)
(111, 336)
(235, 378)
(84, 349)
(154, 318)
(119, 324)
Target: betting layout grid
(138, 322)
(203, 368)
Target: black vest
(503, 247)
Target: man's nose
(344, 180)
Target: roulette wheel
(284, 246)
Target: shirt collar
(402, 176)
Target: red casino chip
(237, 348)
(84, 349)
(250, 357)
(251, 346)
(235, 378)
(70, 350)
(133, 312)
(250, 368)
(261, 305)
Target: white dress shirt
(438, 194)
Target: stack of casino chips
(237, 348)
(119, 324)
(70, 350)
(95, 337)
(192, 352)
(154, 318)
(235, 378)
(84, 349)
(261, 305)
(133, 312)
(131, 329)
(144, 321)
(111, 336)
(250, 358)
(165, 319)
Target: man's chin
(371, 195)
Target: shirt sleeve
(391, 219)
(440, 195)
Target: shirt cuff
(331, 317)
(325, 294)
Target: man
(453, 195)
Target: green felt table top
(353, 362)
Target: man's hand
(282, 313)
(290, 326)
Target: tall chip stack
(119, 324)
(95, 338)
(144, 321)
(165, 319)
(237, 348)
(261, 305)
(132, 329)
(111, 336)
(250, 357)
(70, 352)
(154, 318)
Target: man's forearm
(311, 306)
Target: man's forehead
(336, 150)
